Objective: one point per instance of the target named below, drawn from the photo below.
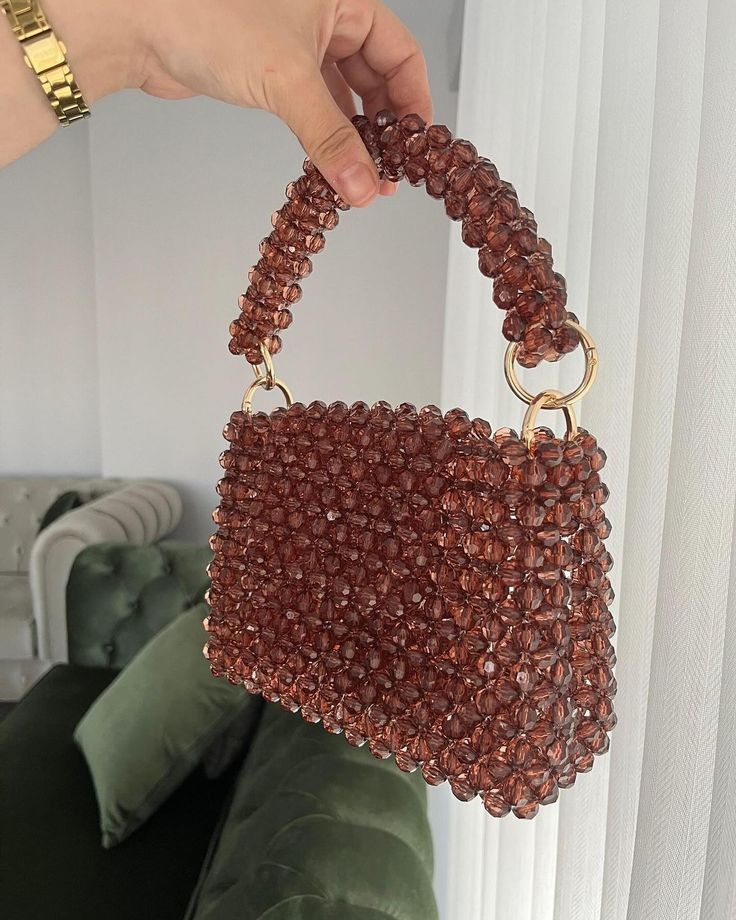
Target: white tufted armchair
(34, 569)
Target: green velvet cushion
(151, 727)
(67, 501)
(52, 866)
(230, 744)
(119, 596)
(319, 830)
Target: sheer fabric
(615, 122)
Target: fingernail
(357, 184)
(389, 188)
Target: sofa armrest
(139, 513)
(321, 830)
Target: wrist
(103, 42)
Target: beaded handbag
(408, 577)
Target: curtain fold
(616, 124)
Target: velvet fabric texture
(319, 830)
(152, 726)
(119, 596)
(51, 861)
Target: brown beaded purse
(409, 578)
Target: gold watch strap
(46, 56)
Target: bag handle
(525, 285)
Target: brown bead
(463, 153)
(436, 185)
(439, 136)
(473, 233)
(417, 581)
(526, 285)
(456, 205)
(416, 170)
(490, 263)
(513, 327)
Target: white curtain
(616, 122)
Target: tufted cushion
(23, 502)
(17, 633)
(140, 513)
(119, 596)
(319, 830)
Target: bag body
(407, 577)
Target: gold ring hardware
(268, 374)
(547, 400)
(560, 401)
(262, 382)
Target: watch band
(46, 56)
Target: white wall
(49, 393)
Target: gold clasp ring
(263, 382)
(547, 400)
(559, 401)
(265, 379)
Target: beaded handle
(525, 285)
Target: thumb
(329, 139)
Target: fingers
(381, 60)
(343, 96)
(370, 86)
(377, 57)
(341, 92)
(328, 137)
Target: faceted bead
(416, 170)
(436, 185)
(489, 263)
(432, 774)
(462, 789)
(513, 327)
(495, 805)
(472, 232)
(438, 136)
(527, 810)
(457, 423)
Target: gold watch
(46, 56)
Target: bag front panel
(423, 585)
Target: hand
(300, 59)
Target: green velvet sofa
(301, 827)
